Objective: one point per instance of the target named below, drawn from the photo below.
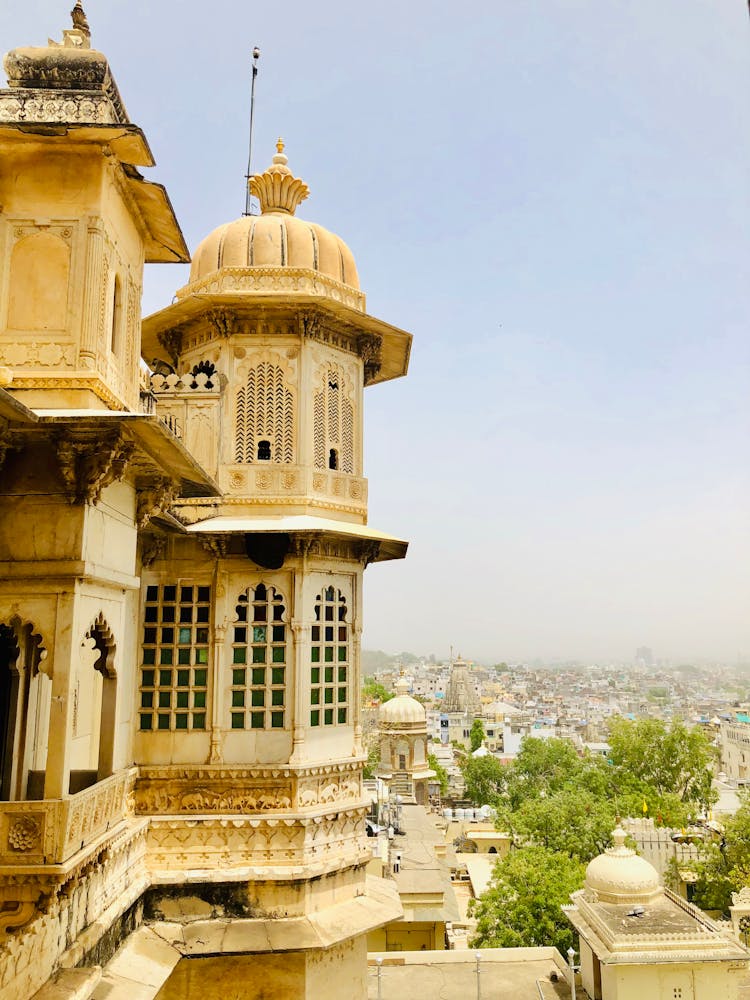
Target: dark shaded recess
(113, 938)
(228, 899)
(268, 551)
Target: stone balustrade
(54, 830)
(187, 382)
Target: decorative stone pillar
(94, 294)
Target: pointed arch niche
(25, 697)
(94, 708)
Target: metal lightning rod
(248, 175)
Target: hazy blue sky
(554, 197)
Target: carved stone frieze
(89, 464)
(46, 354)
(60, 106)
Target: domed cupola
(622, 876)
(276, 238)
(403, 711)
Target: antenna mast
(248, 175)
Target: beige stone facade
(181, 563)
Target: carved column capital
(88, 463)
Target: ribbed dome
(621, 876)
(276, 238)
(402, 710)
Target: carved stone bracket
(369, 347)
(154, 498)
(153, 548)
(309, 323)
(369, 552)
(215, 545)
(14, 916)
(223, 322)
(9, 441)
(171, 341)
(89, 464)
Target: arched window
(259, 659)
(174, 672)
(333, 420)
(25, 695)
(94, 708)
(329, 654)
(265, 416)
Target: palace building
(181, 558)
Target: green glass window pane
(330, 594)
(257, 720)
(328, 673)
(278, 675)
(328, 717)
(165, 678)
(167, 614)
(201, 656)
(170, 594)
(342, 715)
(259, 675)
(259, 654)
(315, 633)
(185, 636)
(342, 694)
(199, 720)
(238, 676)
(259, 633)
(202, 614)
(199, 678)
(146, 722)
(165, 699)
(183, 655)
(342, 673)
(186, 595)
(238, 720)
(315, 718)
(181, 720)
(167, 635)
(182, 699)
(148, 678)
(239, 655)
(328, 695)
(277, 697)
(165, 656)
(315, 696)
(199, 699)
(240, 634)
(149, 656)
(204, 594)
(163, 722)
(277, 720)
(147, 699)
(151, 613)
(186, 614)
(329, 654)
(315, 675)
(342, 654)
(183, 678)
(278, 654)
(279, 633)
(152, 593)
(315, 654)
(149, 636)
(201, 635)
(258, 698)
(238, 699)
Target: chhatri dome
(403, 710)
(622, 876)
(276, 237)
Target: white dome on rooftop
(621, 876)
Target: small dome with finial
(403, 711)
(622, 876)
(276, 237)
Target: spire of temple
(80, 23)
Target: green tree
(724, 864)
(572, 821)
(477, 734)
(484, 778)
(522, 906)
(440, 773)
(669, 759)
(373, 690)
(371, 764)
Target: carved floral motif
(24, 834)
